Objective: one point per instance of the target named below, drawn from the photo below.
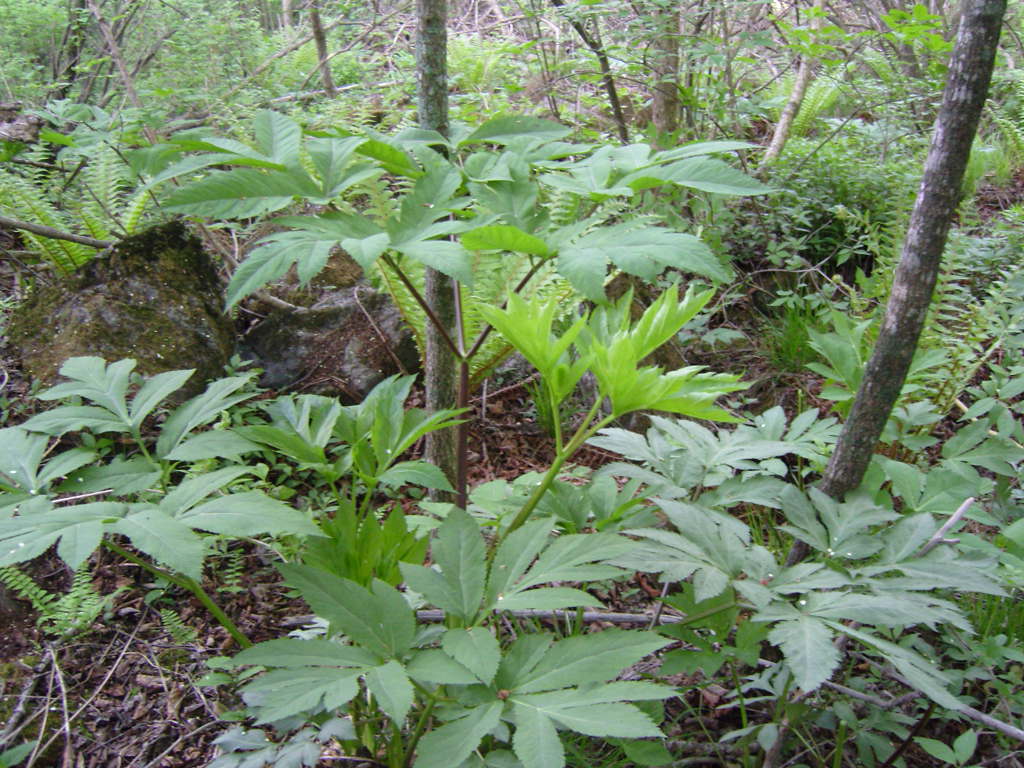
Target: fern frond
(24, 587)
(180, 632)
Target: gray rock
(343, 345)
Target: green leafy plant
(63, 615)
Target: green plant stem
(418, 297)
(584, 433)
(191, 585)
(421, 727)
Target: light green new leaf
(504, 237)
(394, 692)
(453, 742)
(381, 620)
(476, 649)
(536, 741)
(806, 643)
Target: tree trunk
(793, 104)
(665, 65)
(937, 198)
(439, 289)
(321, 50)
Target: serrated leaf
(241, 193)
(250, 513)
(602, 720)
(291, 653)
(476, 649)
(459, 551)
(288, 692)
(394, 692)
(807, 645)
(380, 620)
(417, 473)
(588, 658)
(190, 492)
(122, 476)
(72, 418)
(502, 130)
(535, 740)
(153, 391)
(433, 665)
(164, 539)
(453, 742)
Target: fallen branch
(54, 234)
(529, 613)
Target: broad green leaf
(201, 409)
(708, 175)
(250, 514)
(215, 444)
(380, 620)
(91, 378)
(545, 598)
(476, 649)
(536, 741)
(938, 750)
(394, 692)
(502, 130)
(603, 720)
(443, 255)
(190, 492)
(241, 193)
(516, 553)
(154, 391)
(453, 742)
(291, 652)
(164, 539)
(806, 643)
(277, 136)
(391, 158)
(417, 473)
(73, 418)
(121, 476)
(588, 659)
(288, 692)
(435, 666)
(20, 455)
(459, 551)
(272, 259)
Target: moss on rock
(155, 298)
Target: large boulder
(343, 345)
(154, 297)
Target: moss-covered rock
(155, 298)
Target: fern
(62, 615)
(820, 97)
(180, 632)
(22, 200)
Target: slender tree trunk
(665, 65)
(963, 99)
(321, 49)
(439, 289)
(594, 44)
(796, 99)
